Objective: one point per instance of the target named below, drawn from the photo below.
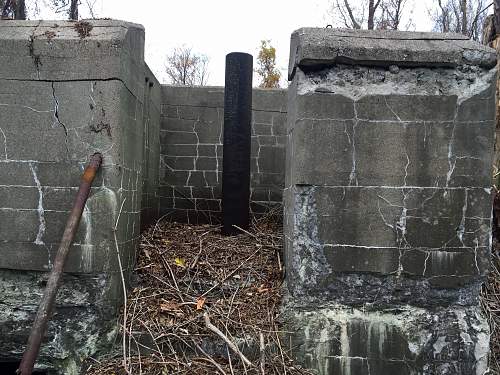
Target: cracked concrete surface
(50, 106)
(397, 160)
(191, 148)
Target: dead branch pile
(204, 304)
(490, 301)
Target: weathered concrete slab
(388, 201)
(313, 47)
(67, 91)
(91, 49)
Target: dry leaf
(180, 262)
(200, 302)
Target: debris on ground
(490, 302)
(204, 304)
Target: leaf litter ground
(204, 303)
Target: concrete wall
(63, 96)
(388, 201)
(150, 204)
(191, 151)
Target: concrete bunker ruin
(388, 201)
(387, 195)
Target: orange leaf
(200, 302)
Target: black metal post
(237, 142)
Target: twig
(230, 360)
(229, 343)
(262, 354)
(210, 359)
(195, 261)
(231, 273)
(124, 287)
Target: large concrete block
(388, 200)
(66, 94)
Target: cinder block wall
(64, 95)
(191, 151)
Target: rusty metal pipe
(48, 300)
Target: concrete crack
(57, 119)
(461, 227)
(452, 161)
(4, 143)
(353, 180)
(40, 209)
(406, 169)
(425, 263)
(197, 144)
(31, 46)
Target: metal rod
(48, 300)
(237, 142)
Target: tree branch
(355, 24)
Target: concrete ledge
(313, 47)
(91, 50)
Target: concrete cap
(72, 51)
(311, 47)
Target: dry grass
(490, 301)
(188, 274)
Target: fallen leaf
(180, 262)
(200, 302)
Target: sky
(218, 27)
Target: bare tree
(392, 14)
(14, 9)
(372, 8)
(73, 10)
(461, 16)
(72, 7)
(379, 14)
(187, 68)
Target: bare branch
(355, 24)
(186, 68)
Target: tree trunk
(371, 14)
(497, 14)
(73, 10)
(464, 17)
(20, 10)
(372, 8)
